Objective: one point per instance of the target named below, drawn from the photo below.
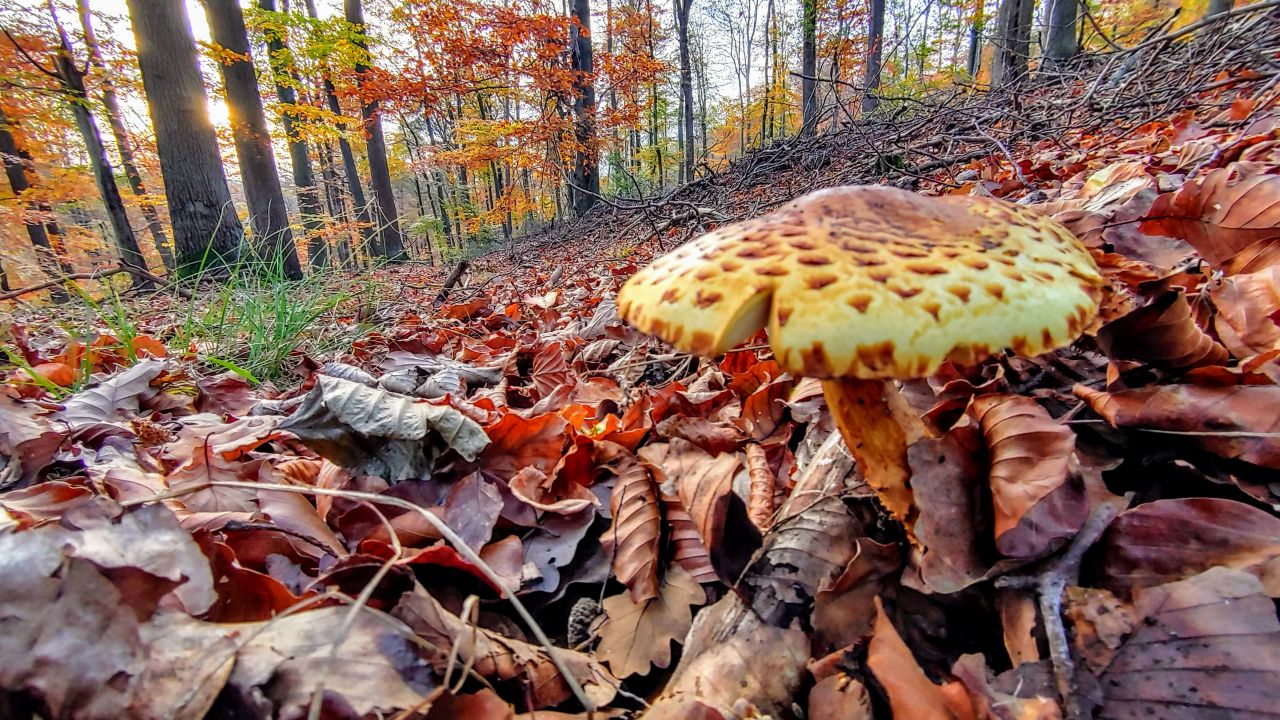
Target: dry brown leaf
(945, 478)
(1220, 215)
(912, 695)
(1168, 540)
(686, 545)
(1248, 319)
(842, 608)
(1163, 333)
(704, 486)
(733, 660)
(1205, 647)
(1237, 422)
(1036, 502)
(760, 499)
(636, 636)
(1018, 694)
(636, 529)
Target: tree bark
(1060, 44)
(268, 214)
(1012, 42)
(976, 28)
(875, 56)
(809, 67)
(1217, 7)
(206, 231)
(390, 242)
(71, 78)
(111, 102)
(586, 166)
(686, 85)
(304, 180)
(17, 166)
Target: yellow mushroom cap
(873, 282)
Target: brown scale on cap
(876, 283)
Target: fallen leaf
(1219, 215)
(500, 658)
(1169, 540)
(1208, 646)
(1036, 503)
(1163, 333)
(1248, 319)
(376, 432)
(636, 529)
(912, 695)
(111, 398)
(636, 636)
(1236, 422)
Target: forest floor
(387, 496)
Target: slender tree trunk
(1012, 41)
(1060, 44)
(391, 242)
(349, 168)
(875, 56)
(976, 29)
(586, 170)
(72, 80)
(1217, 7)
(111, 102)
(17, 166)
(206, 231)
(299, 155)
(686, 85)
(809, 67)
(268, 214)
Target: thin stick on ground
(1051, 584)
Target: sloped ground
(1095, 524)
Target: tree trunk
(349, 169)
(976, 29)
(686, 85)
(17, 166)
(875, 56)
(809, 67)
(1060, 44)
(268, 214)
(586, 166)
(1217, 7)
(206, 231)
(72, 81)
(391, 242)
(299, 155)
(111, 102)
(1012, 41)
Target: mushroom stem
(878, 426)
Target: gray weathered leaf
(104, 401)
(376, 432)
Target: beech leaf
(1219, 215)
(1237, 422)
(105, 401)
(375, 432)
(1208, 646)
(1036, 505)
(1169, 540)
(638, 635)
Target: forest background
(337, 134)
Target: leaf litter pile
(1090, 532)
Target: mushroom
(861, 286)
